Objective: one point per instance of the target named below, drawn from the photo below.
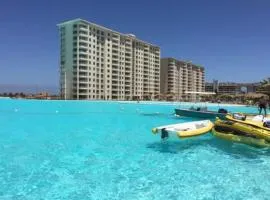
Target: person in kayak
(262, 105)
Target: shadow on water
(236, 150)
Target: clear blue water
(105, 150)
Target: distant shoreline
(133, 102)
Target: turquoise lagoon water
(105, 150)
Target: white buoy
(16, 110)
(56, 111)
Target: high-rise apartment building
(100, 63)
(179, 77)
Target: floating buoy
(16, 110)
(56, 111)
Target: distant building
(100, 63)
(230, 87)
(178, 77)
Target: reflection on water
(235, 150)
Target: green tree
(264, 87)
(225, 97)
(22, 95)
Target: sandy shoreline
(179, 103)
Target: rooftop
(102, 27)
(184, 62)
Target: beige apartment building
(100, 63)
(177, 78)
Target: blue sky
(230, 38)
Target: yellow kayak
(184, 130)
(248, 121)
(243, 128)
(240, 139)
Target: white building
(100, 63)
(177, 78)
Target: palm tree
(22, 95)
(225, 97)
(264, 87)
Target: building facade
(100, 63)
(178, 77)
(230, 87)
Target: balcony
(115, 67)
(83, 28)
(83, 74)
(83, 91)
(83, 86)
(115, 46)
(115, 72)
(115, 57)
(128, 50)
(82, 80)
(83, 56)
(83, 44)
(81, 32)
(115, 62)
(115, 51)
(128, 65)
(83, 68)
(114, 82)
(82, 62)
(115, 41)
(81, 50)
(114, 36)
